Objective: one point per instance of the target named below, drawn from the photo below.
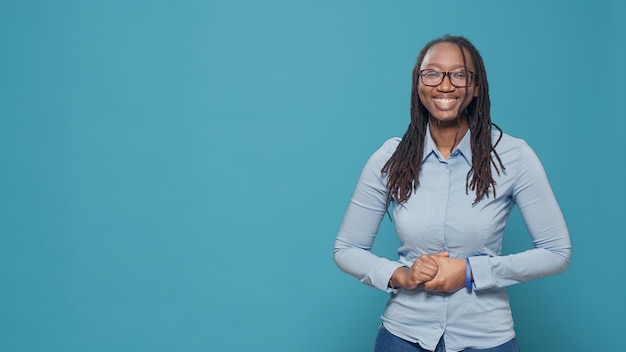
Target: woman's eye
(459, 74)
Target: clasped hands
(438, 272)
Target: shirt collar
(464, 147)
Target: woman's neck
(447, 135)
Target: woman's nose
(446, 84)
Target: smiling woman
(448, 286)
(446, 98)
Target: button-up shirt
(439, 216)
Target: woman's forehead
(447, 55)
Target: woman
(452, 181)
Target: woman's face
(446, 101)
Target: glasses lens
(460, 78)
(432, 77)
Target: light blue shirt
(439, 216)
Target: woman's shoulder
(387, 148)
(380, 156)
(512, 149)
(390, 145)
(506, 142)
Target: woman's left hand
(450, 277)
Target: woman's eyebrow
(436, 64)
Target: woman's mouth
(445, 103)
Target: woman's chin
(444, 119)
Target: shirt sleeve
(352, 251)
(545, 223)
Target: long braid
(479, 122)
(404, 165)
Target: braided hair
(404, 165)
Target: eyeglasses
(459, 79)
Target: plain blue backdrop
(173, 173)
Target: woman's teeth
(445, 101)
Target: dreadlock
(403, 168)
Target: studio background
(173, 173)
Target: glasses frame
(446, 73)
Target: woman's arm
(352, 251)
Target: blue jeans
(388, 342)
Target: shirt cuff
(383, 274)
(481, 272)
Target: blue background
(173, 173)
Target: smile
(445, 100)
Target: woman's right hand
(424, 269)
